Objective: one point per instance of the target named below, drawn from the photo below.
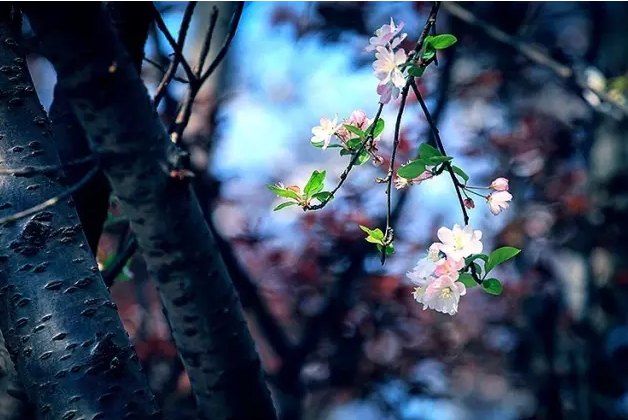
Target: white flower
(323, 132)
(385, 34)
(422, 275)
(498, 201)
(443, 295)
(387, 64)
(460, 242)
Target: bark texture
(61, 328)
(202, 306)
(132, 21)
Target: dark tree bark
(132, 21)
(60, 325)
(113, 106)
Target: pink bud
(500, 184)
(469, 203)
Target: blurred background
(534, 92)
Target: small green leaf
(376, 234)
(478, 269)
(345, 152)
(468, 280)
(426, 152)
(499, 256)
(435, 160)
(365, 229)
(319, 145)
(363, 158)
(315, 183)
(412, 169)
(284, 205)
(323, 196)
(416, 71)
(390, 249)
(440, 42)
(492, 287)
(355, 130)
(282, 192)
(460, 173)
(428, 53)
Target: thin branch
(531, 53)
(429, 24)
(207, 42)
(352, 162)
(164, 70)
(440, 146)
(185, 112)
(233, 26)
(177, 47)
(52, 201)
(33, 170)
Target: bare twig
(207, 42)
(52, 201)
(177, 47)
(233, 26)
(32, 170)
(185, 110)
(532, 53)
(164, 70)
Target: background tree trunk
(113, 106)
(60, 325)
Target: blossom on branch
(443, 295)
(459, 242)
(500, 184)
(323, 132)
(387, 64)
(385, 35)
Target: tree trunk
(113, 106)
(60, 325)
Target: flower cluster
(351, 132)
(435, 276)
(389, 58)
(498, 200)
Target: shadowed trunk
(60, 325)
(113, 106)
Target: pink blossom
(403, 182)
(387, 64)
(387, 91)
(323, 132)
(500, 184)
(385, 34)
(499, 201)
(459, 242)
(449, 267)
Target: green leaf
(315, 184)
(390, 248)
(426, 152)
(440, 42)
(492, 287)
(282, 192)
(435, 160)
(284, 205)
(379, 128)
(412, 169)
(354, 144)
(363, 158)
(320, 145)
(323, 196)
(460, 173)
(345, 152)
(478, 269)
(416, 71)
(468, 280)
(499, 256)
(428, 53)
(375, 233)
(355, 130)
